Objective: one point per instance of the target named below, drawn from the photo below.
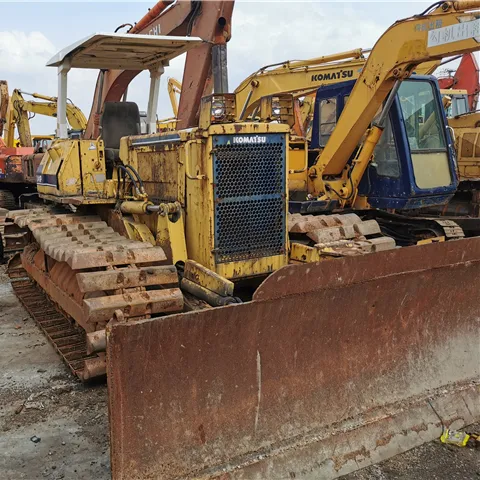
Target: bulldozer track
(77, 273)
(67, 339)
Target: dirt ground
(53, 427)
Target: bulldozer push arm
(209, 20)
(449, 29)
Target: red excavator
(466, 77)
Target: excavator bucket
(331, 367)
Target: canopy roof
(123, 51)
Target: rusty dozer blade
(333, 366)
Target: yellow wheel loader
(236, 344)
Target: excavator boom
(444, 32)
(297, 77)
(19, 115)
(4, 102)
(75, 116)
(466, 77)
(174, 89)
(209, 20)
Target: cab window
(328, 119)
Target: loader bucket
(332, 367)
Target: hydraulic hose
(124, 169)
(137, 175)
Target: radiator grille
(250, 197)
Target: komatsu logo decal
(332, 76)
(250, 139)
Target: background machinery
(464, 79)
(330, 73)
(270, 359)
(20, 158)
(463, 89)
(174, 91)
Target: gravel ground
(53, 427)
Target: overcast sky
(262, 33)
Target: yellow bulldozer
(246, 333)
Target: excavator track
(82, 274)
(352, 234)
(7, 200)
(343, 235)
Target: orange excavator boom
(209, 20)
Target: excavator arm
(4, 102)
(18, 116)
(20, 108)
(209, 20)
(445, 31)
(75, 116)
(174, 89)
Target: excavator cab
(457, 103)
(414, 161)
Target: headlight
(218, 109)
(276, 109)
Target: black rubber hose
(431, 7)
(140, 181)
(130, 175)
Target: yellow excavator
(297, 77)
(18, 116)
(236, 343)
(303, 78)
(18, 158)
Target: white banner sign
(454, 33)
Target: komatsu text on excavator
(241, 341)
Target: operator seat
(119, 119)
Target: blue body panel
(401, 191)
